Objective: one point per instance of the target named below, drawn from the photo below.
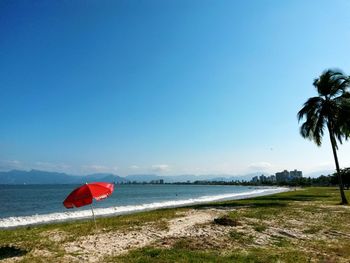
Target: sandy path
(94, 247)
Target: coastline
(33, 220)
(295, 226)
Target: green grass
(150, 254)
(307, 225)
(316, 209)
(240, 237)
(313, 229)
(260, 227)
(28, 239)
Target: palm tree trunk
(341, 186)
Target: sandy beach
(192, 223)
(296, 226)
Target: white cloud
(97, 168)
(160, 168)
(134, 167)
(61, 167)
(317, 167)
(260, 166)
(10, 164)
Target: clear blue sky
(168, 87)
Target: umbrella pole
(93, 215)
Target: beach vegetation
(331, 109)
(226, 221)
(260, 227)
(295, 226)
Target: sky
(165, 87)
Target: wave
(11, 222)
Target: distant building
(286, 176)
(295, 174)
(160, 181)
(272, 178)
(262, 178)
(282, 176)
(255, 179)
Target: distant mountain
(34, 177)
(44, 177)
(105, 177)
(319, 173)
(247, 177)
(189, 177)
(167, 179)
(143, 177)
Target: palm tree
(329, 109)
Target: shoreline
(306, 225)
(52, 218)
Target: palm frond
(331, 108)
(319, 126)
(331, 83)
(344, 117)
(310, 107)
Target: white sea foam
(79, 214)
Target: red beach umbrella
(84, 195)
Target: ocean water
(22, 205)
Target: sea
(23, 205)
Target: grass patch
(150, 254)
(33, 238)
(311, 212)
(240, 237)
(226, 221)
(281, 242)
(11, 251)
(313, 229)
(260, 227)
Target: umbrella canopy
(84, 194)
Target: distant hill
(189, 177)
(142, 177)
(169, 178)
(246, 177)
(105, 177)
(44, 177)
(34, 177)
(319, 173)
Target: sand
(197, 230)
(94, 247)
(197, 226)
